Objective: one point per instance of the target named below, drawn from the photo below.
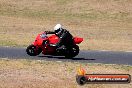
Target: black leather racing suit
(66, 38)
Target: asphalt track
(107, 57)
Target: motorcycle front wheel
(33, 51)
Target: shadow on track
(61, 57)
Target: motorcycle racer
(60, 43)
(66, 38)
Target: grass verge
(24, 73)
(104, 24)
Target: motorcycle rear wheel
(72, 52)
(33, 51)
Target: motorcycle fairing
(77, 40)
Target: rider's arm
(61, 40)
(49, 32)
(64, 33)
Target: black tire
(81, 80)
(72, 52)
(32, 51)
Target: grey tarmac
(90, 56)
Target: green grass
(64, 2)
(8, 43)
(84, 14)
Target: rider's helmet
(58, 28)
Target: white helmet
(58, 28)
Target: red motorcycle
(42, 44)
